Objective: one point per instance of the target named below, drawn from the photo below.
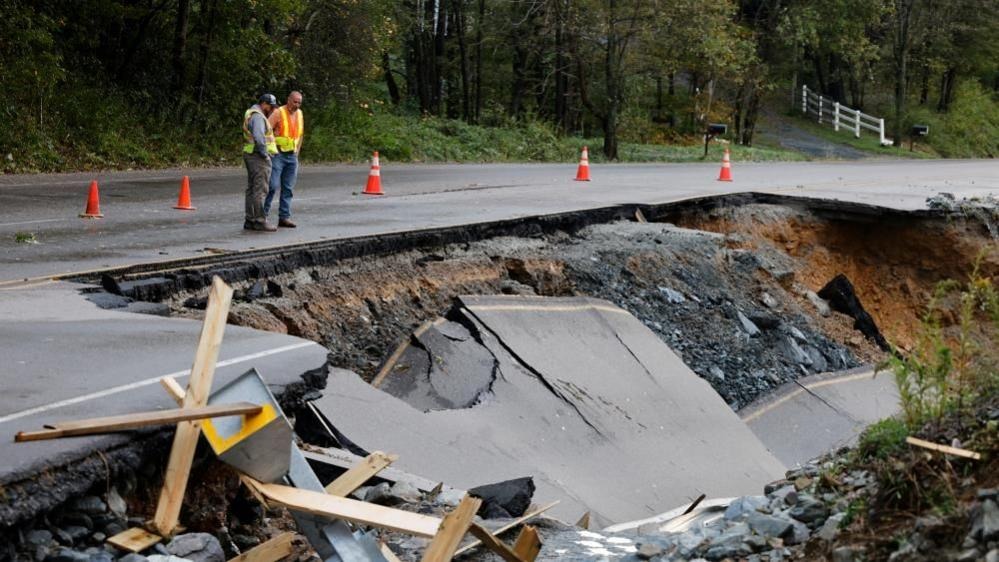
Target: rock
(769, 526)
(990, 521)
(100, 555)
(821, 306)
(38, 537)
(63, 554)
(768, 300)
(788, 495)
(116, 504)
(747, 324)
(511, 497)
(717, 373)
(62, 537)
(406, 492)
(90, 505)
(969, 555)
(165, 558)
(797, 334)
(799, 535)
(765, 321)
(843, 298)
(197, 547)
(809, 511)
(647, 551)
(379, 494)
(830, 529)
(113, 528)
(77, 520)
(743, 506)
(721, 552)
(848, 554)
(803, 483)
(450, 497)
(992, 556)
(672, 296)
(793, 352)
(76, 532)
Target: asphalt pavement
(140, 225)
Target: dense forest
(130, 83)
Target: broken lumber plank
(529, 515)
(494, 544)
(452, 530)
(347, 460)
(174, 389)
(584, 521)
(360, 473)
(325, 505)
(943, 448)
(134, 540)
(200, 384)
(528, 544)
(110, 424)
(281, 546)
(387, 553)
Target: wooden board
(528, 544)
(943, 448)
(333, 507)
(529, 515)
(346, 460)
(452, 530)
(110, 424)
(494, 544)
(281, 546)
(135, 540)
(387, 553)
(186, 439)
(584, 521)
(174, 389)
(360, 473)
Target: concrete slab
(816, 414)
(140, 225)
(65, 359)
(580, 386)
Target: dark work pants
(258, 179)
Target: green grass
(868, 141)
(122, 138)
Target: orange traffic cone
(93, 203)
(726, 169)
(374, 186)
(184, 199)
(583, 172)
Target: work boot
(286, 223)
(259, 226)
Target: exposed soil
(730, 297)
(893, 265)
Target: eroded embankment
(734, 294)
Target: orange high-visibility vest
(289, 130)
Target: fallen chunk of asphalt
(510, 498)
(843, 298)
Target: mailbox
(715, 129)
(920, 130)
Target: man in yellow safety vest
(259, 147)
(288, 123)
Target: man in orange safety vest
(288, 123)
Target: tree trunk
(478, 60)
(901, 46)
(459, 17)
(211, 8)
(561, 109)
(611, 84)
(180, 44)
(393, 88)
(440, 31)
(947, 89)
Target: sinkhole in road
(732, 288)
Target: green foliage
(955, 360)
(882, 439)
(970, 129)
(25, 238)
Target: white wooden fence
(841, 116)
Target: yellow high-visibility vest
(248, 143)
(289, 136)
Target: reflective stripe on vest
(248, 144)
(290, 134)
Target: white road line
(30, 222)
(147, 382)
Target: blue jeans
(284, 173)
